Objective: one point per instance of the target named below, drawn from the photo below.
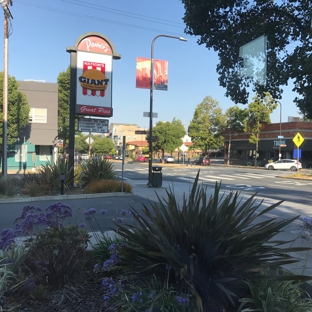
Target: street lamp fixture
(151, 106)
(280, 132)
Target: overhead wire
(124, 13)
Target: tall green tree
(236, 118)
(81, 144)
(63, 81)
(169, 135)
(226, 25)
(18, 111)
(102, 146)
(259, 111)
(207, 126)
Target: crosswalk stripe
(254, 176)
(212, 178)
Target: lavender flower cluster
(307, 223)
(183, 301)
(32, 217)
(113, 259)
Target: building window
(128, 137)
(134, 138)
(20, 152)
(44, 153)
(38, 115)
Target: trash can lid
(157, 168)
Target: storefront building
(274, 138)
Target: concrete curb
(60, 197)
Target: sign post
(298, 140)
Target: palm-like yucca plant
(96, 169)
(211, 244)
(50, 173)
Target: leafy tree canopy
(81, 145)
(226, 25)
(102, 146)
(63, 81)
(18, 112)
(236, 118)
(259, 111)
(207, 126)
(169, 135)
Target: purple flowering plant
(56, 252)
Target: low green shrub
(276, 295)
(58, 255)
(50, 173)
(9, 185)
(96, 169)
(6, 276)
(107, 186)
(33, 189)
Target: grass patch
(302, 174)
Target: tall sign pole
(90, 82)
(298, 140)
(7, 16)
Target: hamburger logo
(93, 79)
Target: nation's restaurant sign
(91, 74)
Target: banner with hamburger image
(94, 84)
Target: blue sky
(41, 31)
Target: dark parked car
(203, 161)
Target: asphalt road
(267, 183)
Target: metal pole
(280, 132)
(5, 94)
(72, 110)
(150, 149)
(123, 162)
(229, 145)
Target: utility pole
(7, 16)
(229, 144)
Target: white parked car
(285, 164)
(169, 159)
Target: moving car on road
(284, 164)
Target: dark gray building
(37, 145)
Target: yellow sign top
(298, 139)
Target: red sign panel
(95, 44)
(95, 110)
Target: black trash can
(156, 176)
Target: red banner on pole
(143, 74)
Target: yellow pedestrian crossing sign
(298, 139)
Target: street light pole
(229, 144)
(280, 132)
(150, 150)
